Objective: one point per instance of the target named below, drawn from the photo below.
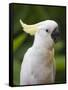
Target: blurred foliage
(31, 14)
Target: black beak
(55, 35)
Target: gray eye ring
(46, 30)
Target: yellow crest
(31, 29)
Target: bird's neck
(42, 43)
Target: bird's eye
(46, 30)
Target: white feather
(38, 66)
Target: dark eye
(46, 30)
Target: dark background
(31, 14)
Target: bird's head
(47, 30)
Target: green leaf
(18, 41)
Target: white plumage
(38, 66)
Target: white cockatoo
(38, 66)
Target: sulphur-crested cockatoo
(38, 66)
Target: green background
(31, 14)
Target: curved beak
(55, 35)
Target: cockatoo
(38, 66)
